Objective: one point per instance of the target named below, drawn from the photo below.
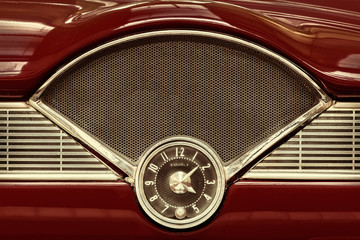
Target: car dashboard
(179, 119)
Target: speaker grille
(138, 92)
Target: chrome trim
(121, 161)
(253, 154)
(13, 105)
(340, 121)
(347, 105)
(116, 158)
(36, 149)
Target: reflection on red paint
(282, 210)
(324, 40)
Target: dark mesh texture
(136, 93)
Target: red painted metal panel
(252, 210)
(37, 37)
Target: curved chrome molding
(253, 154)
(81, 135)
(124, 163)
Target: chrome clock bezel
(212, 157)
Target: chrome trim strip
(129, 167)
(347, 105)
(13, 105)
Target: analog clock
(180, 182)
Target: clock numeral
(181, 152)
(196, 209)
(149, 183)
(207, 197)
(166, 207)
(207, 166)
(153, 167)
(210, 182)
(153, 198)
(164, 156)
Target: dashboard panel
(185, 119)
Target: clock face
(180, 182)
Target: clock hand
(189, 174)
(190, 189)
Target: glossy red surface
(252, 210)
(37, 37)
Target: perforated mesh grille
(136, 93)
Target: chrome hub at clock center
(180, 182)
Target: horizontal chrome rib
(33, 148)
(328, 148)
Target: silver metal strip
(330, 152)
(14, 105)
(121, 161)
(347, 105)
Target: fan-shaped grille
(138, 92)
